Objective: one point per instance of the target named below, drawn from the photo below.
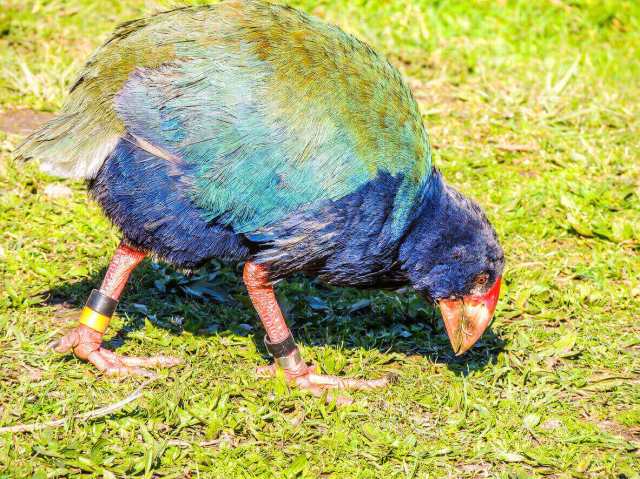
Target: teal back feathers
(261, 109)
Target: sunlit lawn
(533, 110)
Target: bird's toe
(112, 364)
(321, 384)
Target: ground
(533, 110)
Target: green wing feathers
(266, 108)
(87, 129)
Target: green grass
(553, 390)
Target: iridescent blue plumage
(246, 130)
(267, 128)
(145, 197)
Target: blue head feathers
(450, 244)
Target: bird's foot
(306, 377)
(86, 344)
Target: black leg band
(101, 303)
(281, 349)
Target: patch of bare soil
(23, 121)
(631, 434)
(65, 313)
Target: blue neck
(351, 241)
(425, 241)
(449, 241)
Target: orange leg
(85, 341)
(256, 278)
(123, 262)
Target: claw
(113, 364)
(85, 344)
(350, 384)
(66, 343)
(319, 384)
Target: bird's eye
(482, 279)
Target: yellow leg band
(96, 321)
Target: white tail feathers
(71, 145)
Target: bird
(257, 134)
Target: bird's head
(453, 258)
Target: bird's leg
(280, 343)
(86, 339)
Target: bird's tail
(72, 145)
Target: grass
(533, 110)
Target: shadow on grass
(213, 301)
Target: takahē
(253, 132)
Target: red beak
(467, 318)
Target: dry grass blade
(94, 414)
(517, 148)
(532, 111)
